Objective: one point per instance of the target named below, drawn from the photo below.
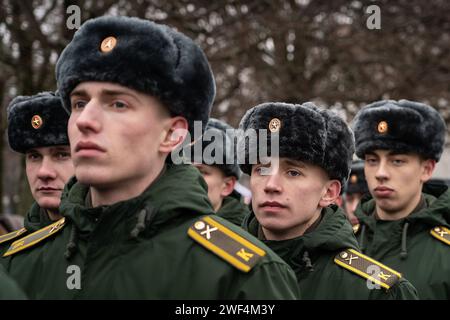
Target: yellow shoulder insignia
(35, 237)
(12, 235)
(367, 268)
(356, 228)
(225, 243)
(441, 233)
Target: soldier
(403, 224)
(355, 188)
(293, 211)
(135, 225)
(37, 128)
(221, 176)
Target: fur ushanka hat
(357, 182)
(215, 129)
(36, 121)
(402, 126)
(141, 55)
(306, 133)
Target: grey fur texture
(218, 128)
(21, 134)
(148, 57)
(411, 127)
(307, 133)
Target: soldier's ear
(428, 166)
(228, 186)
(332, 190)
(176, 130)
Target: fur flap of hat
(401, 126)
(306, 133)
(49, 129)
(147, 57)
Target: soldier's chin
(49, 203)
(91, 177)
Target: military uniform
(34, 122)
(8, 288)
(329, 265)
(418, 245)
(326, 257)
(233, 209)
(37, 218)
(159, 245)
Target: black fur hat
(36, 121)
(401, 126)
(141, 55)
(306, 133)
(214, 129)
(357, 181)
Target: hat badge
(382, 127)
(274, 125)
(354, 178)
(108, 44)
(36, 122)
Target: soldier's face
(395, 181)
(48, 169)
(288, 200)
(219, 186)
(117, 136)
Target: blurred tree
(259, 50)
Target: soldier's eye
(120, 105)
(294, 173)
(78, 104)
(33, 156)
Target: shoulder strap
(225, 243)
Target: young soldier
(136, 226)
(355, 188)
(403, 224)
(292, 205)
(37, 127)
(221, 177)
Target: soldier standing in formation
(134, 225)
(293, 211)
(37, 127)
(403, 224)
(221, 176)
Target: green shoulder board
(441, 233)
(35, 237)
(367, 268)
(226, 243)
(12, 235)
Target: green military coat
(233, 209)
(35, 219)
(159, 245)
(320, 259)
(418, 246)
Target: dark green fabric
(233, 209)
(312, 258)
(161, 262)
(9, 290)
(426, 261)
(35, 219)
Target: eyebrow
(106, 92)
(296, 163)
